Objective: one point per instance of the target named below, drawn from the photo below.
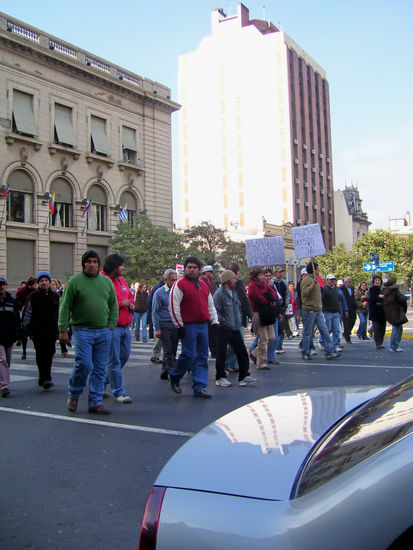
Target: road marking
(329, 362)
(19, 378)
(162, 431)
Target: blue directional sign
(382, 266)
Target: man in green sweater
(89, 305)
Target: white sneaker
(313, 352)
(398, 350)
(338, 349)
(279, 351)
(123, 399)
(224, 382)
(247, 381)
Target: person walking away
(163, 325)
(157, 346)
(121, 337)
(208, 277)
(228, 309)
(191, 307)
(21, 297)
(376, 311)
(10, 332)
(395, 308)
(348, 322)
(89, 303)
(40, 319)
(141, 312)
(261, 294)
(362, 303)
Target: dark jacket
(350, 299)
(246, 311)
(141, 301)
(395, 306)
(10, 328)
(376, 309)
(330, 297)
(41, 313)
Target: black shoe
(164, 375)
(156, 360)
(23, 355)
(47, 385)
(348, 340)
(253, 359)
(273, 362)
(203, 394)
(175, 387)
(306, 357)
(366, 338)
(5, 392)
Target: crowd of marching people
(98, 314)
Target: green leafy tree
(147, 248)
(342, 263)
(206, 242)
(235, 252)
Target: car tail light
(150, 520)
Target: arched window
(128, 202)
(63, 203)
(96, 217)
(20, 197)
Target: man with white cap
(228, 307)
(331, 308)
(10, 332)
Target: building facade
(254, 130)
(83, 133)
(351, 222)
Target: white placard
(267, 251)
(308, 241)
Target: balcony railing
(23, 31)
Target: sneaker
(72, 404)
(253, 359)
(248, 381)
(338, 349)
(223, 382)
(279, 351)
(313, 352)
(274, 363)
(202, 394)
(264, 367)
(332, 355)
(105, 395)
(306, 357)
(47, 385)
(123, 399)
(5, 392)
(398, 350)
(99, 409)
(380, 347)
(156, 360)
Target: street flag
(87, 207)
(123, 215)
(299, 263)
(290, 261)
(51, 203)
(5, 191)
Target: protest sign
(308, 241)
(267, 251)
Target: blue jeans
(362, 330)
(280, 333)
(137, 319)
(396, 336)
(92, 347)
(194, 356)
(333, 326)
(119, 355)
(311, 318)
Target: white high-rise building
(254, 130)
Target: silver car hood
(257, 450)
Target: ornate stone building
(83, 131)
(351, 222)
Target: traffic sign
(382, 266)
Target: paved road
(81, 481)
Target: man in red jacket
(191, 307)
(121, 336)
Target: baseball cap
(207, 268)
(330, 276)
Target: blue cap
(43, 274)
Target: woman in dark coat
(376, 311)
(395, 307)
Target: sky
(365, 46)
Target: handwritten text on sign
(267, 251)
(308, 241)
